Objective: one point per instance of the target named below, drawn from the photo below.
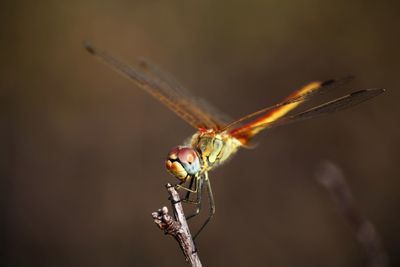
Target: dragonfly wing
(246, 132)
(182, 105)
(212, 117)
(338, 104)
(278, 110)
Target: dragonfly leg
(180, 186)
(198, 200)
(188, 189)
(211, 203)
(187, 196)
(198, 184)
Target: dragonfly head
(183, 162)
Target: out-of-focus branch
(331, 177)
(177, 226)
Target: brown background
(84, 149)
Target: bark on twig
(331, 177)
(177, 226)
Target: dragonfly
(216, 139)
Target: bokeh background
(84, 149)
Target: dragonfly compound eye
(183, 162)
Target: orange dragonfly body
(216, 140)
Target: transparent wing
(303, 94)
(210, 115)
(161, 89)
(338, 104)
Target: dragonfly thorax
(214, 148)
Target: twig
(331, 177)
(177, 227)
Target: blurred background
(84, 149)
